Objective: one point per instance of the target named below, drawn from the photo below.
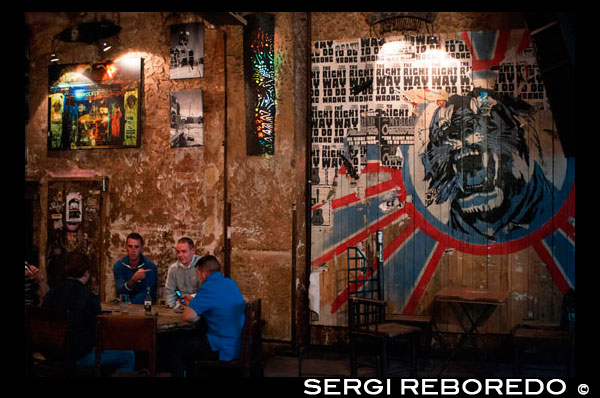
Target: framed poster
(187, 51)
(187, 118)
(94, 105)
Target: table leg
(470, 332)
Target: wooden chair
(47, 330)
(367, 324)
(532, 335)
(126, 332)
(251, 357)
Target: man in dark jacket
(72, 295)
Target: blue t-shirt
(220, 302)
(137, 293)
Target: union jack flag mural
(446, 144)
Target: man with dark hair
(220, 304)
(134, 273)
(182, 273)
(72, 295)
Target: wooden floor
(321, 363)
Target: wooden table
(167, 319)
(461, 298)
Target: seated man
(72, 295)
(135, 272)
(220, 304)
(182, 273)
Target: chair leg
(517, 361)
(413, 356)
(353, 359)
(384, 359)
(300, 360)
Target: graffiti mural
(446, 144)
(259, 76)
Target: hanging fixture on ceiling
(89, 32)
(96, 32)
(403, 22)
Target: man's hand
(34, 273)
(138, 276)
(189, 315)
(186, 299)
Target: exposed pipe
(226, 204)
(307, 211)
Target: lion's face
(477, 156)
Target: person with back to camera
(182, 273)
(220, 304)
(134, 273)
(72, 294)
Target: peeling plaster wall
(166, 193)
(160, 192)
(263, 190)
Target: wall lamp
(87, 32)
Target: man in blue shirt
(134, 273)
(219, 303)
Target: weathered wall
(166, 193)
(265, 190)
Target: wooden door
(74, 218)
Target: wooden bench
(251, 358)
(544, 336)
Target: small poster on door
(73, 209)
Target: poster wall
(447, 144)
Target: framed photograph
(95, 105)
(187, 51)
(187, 118)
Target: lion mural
(478, 159)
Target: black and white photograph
(187, 51)
(187, 118)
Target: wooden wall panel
(483, 194)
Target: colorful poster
(94, 105)
(259, 76)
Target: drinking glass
(124, 302)
(162, 295)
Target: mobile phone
(178, 293)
